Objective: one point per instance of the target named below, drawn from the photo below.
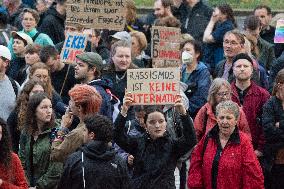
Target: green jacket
(266, 54)
(46, 173)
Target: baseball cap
(23, 36)
(5, 52)
(123, 35)
(91, 58)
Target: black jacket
(155, 160)
(274, 136)
(102, 169)
(53, 25)
(16, 69)
(195, 20)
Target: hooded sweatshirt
(94, 166)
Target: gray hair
(215, 87)
(120, 43)
(228, 106)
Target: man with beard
(250, 97)
(62, 75)
(88, 71)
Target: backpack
(35, 36)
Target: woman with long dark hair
(15, 120)
(35, 143)
(12, 175)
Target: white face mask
(186, 58)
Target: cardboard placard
(74, 44)
(151, 86)
(165, 43)
(97, 14)
(279, 32)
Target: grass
(236, 4)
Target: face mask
(186, 58)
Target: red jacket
(211, 121)
(237, 167)
(14, 176)
(254, 100)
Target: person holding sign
(155, 152)
(195, 74)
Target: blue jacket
(214, 52)
(101, 86)
(198, 83)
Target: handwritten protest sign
(153, 85)
(97, 14)
(279, 32)
(74, 44)
(165, 46)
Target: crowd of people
(77, 126)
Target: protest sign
(74, 44)
(165, 46)
(151, 86)
(279, 32)
(97, 14)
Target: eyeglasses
(232, 43)
(222, 94)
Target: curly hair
(87, 97)
(30, 119)
(5, 145)
(33, 12)
(40, 65)
(227, 10)
(22, 101)
(101, 126)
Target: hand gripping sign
(151, 86)
(74, 44)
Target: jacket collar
(251, 90)
(234, 138)
(31, 33)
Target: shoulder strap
(204, 145)
(35, 36)
(14, 85)
(205, 121)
